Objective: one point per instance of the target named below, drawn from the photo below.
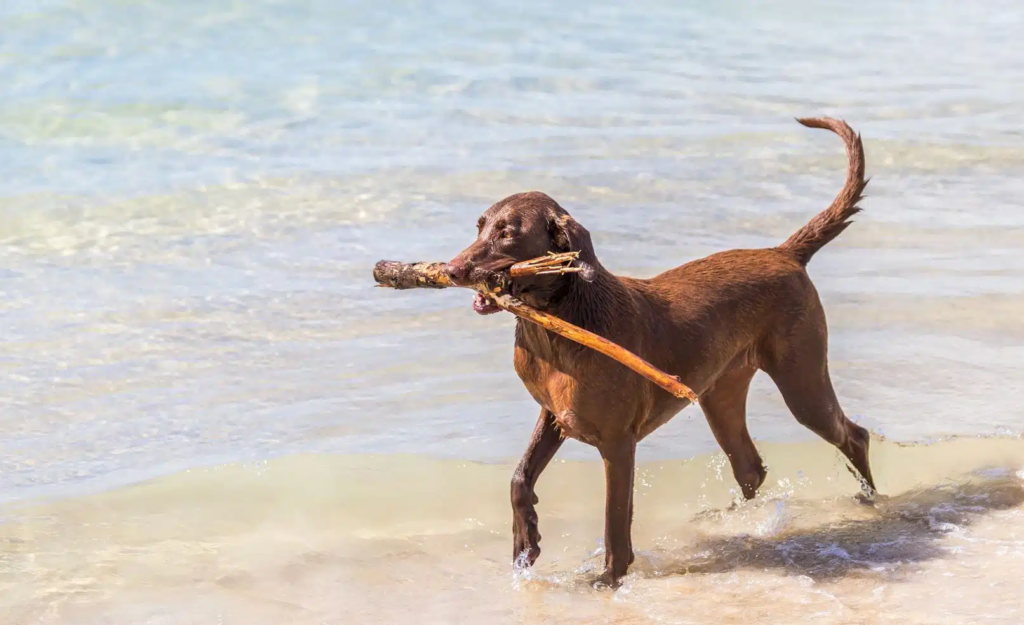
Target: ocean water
(208, 414)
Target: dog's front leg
(544, 442)
(619, 459)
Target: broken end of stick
(683, 391)
(687, 394)
(397, 275)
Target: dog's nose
(458, 270)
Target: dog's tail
(830, 223)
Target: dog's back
(728, 302)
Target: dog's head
(518, 228)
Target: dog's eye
(506, 234)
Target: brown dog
(713, 322)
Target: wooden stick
(670, 383)
(398, 275)
(432, 276)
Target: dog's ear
(569, 236)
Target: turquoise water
(194, 193)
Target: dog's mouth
(484, 305)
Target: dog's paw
(605, 581)
(525, 539)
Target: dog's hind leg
(798, 364)
(725, 406)
(544, 443)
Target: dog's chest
(558, 393)
(579, 397)
(546, 383)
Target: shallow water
(195, 193)
(349, 538)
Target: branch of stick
(398, 275)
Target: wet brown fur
(713, 322)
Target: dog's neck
(593, 305)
